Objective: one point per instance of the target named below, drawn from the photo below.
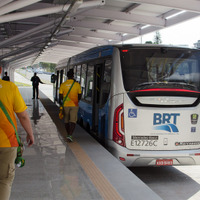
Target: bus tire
(88, 128)
(80, 122)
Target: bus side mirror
(53, 78)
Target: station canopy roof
(33, 31)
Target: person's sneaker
(69, 138)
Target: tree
(148, 42)
(49, 67)
(157, 38)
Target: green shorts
(71, 114)
(7, 170)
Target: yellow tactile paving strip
(105, 189)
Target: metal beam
(189, 5)
(89, 33)
(63, 48)
(106, 27)
(30, 14)
(40, 5)
(32, 21)
(16, 5)
(22, 55)
(29, 40)
(122, 16)
(21, 62)
(28, 33)
(70, 44)
(23, 49)
(83, 39)
(3, 3)
(44, 11)
(180, 18)
(170, 22)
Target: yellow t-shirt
(14, 103)
(72, 99)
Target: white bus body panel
(153, 128)
(153, 133)
(115, 89)
(165, 100)
(149, 158)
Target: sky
(185, 33)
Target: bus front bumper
(133, 158)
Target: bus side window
(105, 89)
(89, 83)
(53, 78)
(56, 94)
(61, 77)
(78, 74)
(75, 72)
(65, 75)
(83, 79)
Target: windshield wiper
(143, 85)
(179, 85)
(184, 85)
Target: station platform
(81, 170)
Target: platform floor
(82, 170)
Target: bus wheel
(88, 128)
(80, 122)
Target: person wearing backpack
(69, 96)
(11, 103)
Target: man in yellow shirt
(71, 103)
(14, 104)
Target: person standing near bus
(13, 102)
(72, 89)
(35, 83)
(6, 77)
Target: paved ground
(47, 89)
(51, 171)
(170, 183)
(82, 170)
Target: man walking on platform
(6, 77)
(35, 83)
(11, 103)
(70, 94)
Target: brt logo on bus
(166, 122)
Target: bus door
(96, 96)
(56, 87)
(59, 81)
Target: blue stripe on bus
(97, 52)
(85, 114)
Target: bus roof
(107, 50)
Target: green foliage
(157, 38)
(48, 67)
(148, 42)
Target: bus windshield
(160, 67)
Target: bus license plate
(164, 162)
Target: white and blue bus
(143, 101)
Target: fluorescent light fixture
(174, 15)
(146, 26)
